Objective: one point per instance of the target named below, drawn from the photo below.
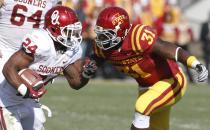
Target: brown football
(30, 78)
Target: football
(31, 79)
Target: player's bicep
(16, 62)
(19, 60)
(164, 49)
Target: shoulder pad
(38, 42)
(142, 38)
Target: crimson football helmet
(63, 26)
(111, 27)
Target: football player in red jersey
(137, 51)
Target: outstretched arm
(171, 51)
(73, 74)
(79, 73)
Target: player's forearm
(11, 75)
(171, 51)
(77, 82)
(73, 74)
(16, 62)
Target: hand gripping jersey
(47, 62)
(134, 57)
(19, 17)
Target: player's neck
(60, 48)
(117, 47)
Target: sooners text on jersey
(47, 61)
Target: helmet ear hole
(53, 31)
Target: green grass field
(109, 105)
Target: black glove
(202, 72)
(89, 69)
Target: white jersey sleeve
(73, 55)
(39, 44)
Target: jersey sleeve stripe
(133, 37)
(138, 38)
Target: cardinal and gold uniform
(161, 82)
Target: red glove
(29, 92)
(36, 93)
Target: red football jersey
(135, 59)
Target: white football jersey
(47, 62)
(19, 17)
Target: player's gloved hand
(89, 69)
(32, 92)
(202, 72)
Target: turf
(109, 105)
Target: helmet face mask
(70, 35)
(63, 26)
(106, 38)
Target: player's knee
(141, 121)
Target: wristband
(176, 53)
(85, 75)
(22, 89)
(192, 62)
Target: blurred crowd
(164, 15)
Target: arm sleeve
(37, 44)
(74, 55)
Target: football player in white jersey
(18, 17)
(48, 51)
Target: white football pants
(25, 116)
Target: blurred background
(177, 21)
